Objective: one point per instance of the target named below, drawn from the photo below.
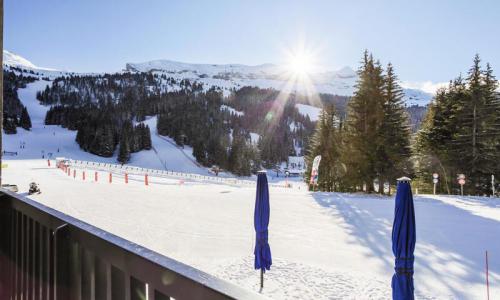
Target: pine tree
(327, 142)
(364, 118)
(493, 123)
(106, 141)
(124, 151)
(472, 146)
(435, 138)
(10, 124)
(134, 136)
(25, 120)
(461, 132)
(240, 156)
(146, 138)
(393, 140)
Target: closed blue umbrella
(403, 241)
(262, 250)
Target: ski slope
(42, 140)
(324, 245)
(166, 155)
(50, 141)
(54, 141)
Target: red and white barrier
(122, 170)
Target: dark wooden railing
(45, 254)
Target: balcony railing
(45, 254)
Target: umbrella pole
(261, 278)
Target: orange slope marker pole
(487, 278)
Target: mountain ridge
(234, 76)
(15, 60)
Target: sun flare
(301, 68)
(300, 63)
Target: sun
(300, 63)
(298, 69)
(301, 69)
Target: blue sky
(425, 40)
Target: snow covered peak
(346, 72)
(200, 69)
(339, 82)
(14, 60)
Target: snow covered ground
(324, 245)
(308, 110)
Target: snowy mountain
(340, 82)
(229, 76)
(14, 60)
(207, 69)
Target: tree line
(15, 113)
(102, 107)
(374, 145)
(461, 133)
